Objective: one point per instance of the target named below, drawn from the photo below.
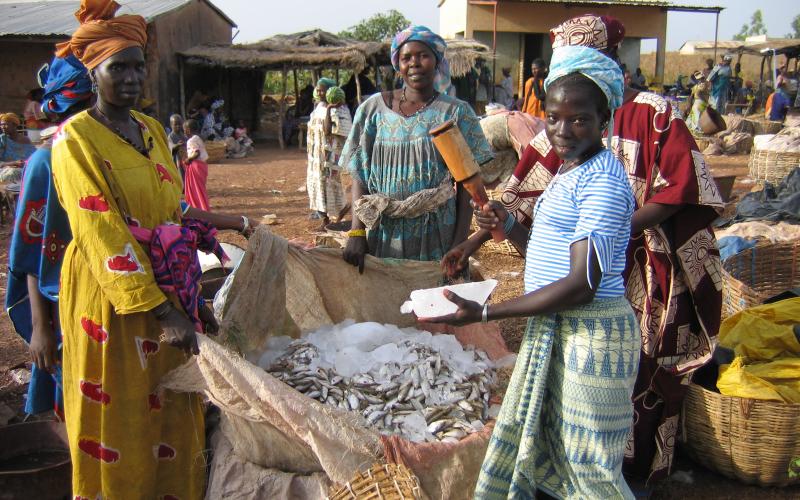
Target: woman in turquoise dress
(405, 205)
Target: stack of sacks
(737, 138)
(508, 133)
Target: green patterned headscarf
(326, 82)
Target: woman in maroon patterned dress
(672, 276)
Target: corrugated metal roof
(57, 18)
(637, 3)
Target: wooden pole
(296, 87)
(494, 48)
(337, 76)
(358, 87)
(716, 37)
(282, 110)
(183, 91)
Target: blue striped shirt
(593, 201)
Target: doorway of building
(535, 45)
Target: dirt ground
(273, 182)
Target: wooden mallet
(462, 165)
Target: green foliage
(378, 27)
(795, 28)
(273, 80)
(756, 27)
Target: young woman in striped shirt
(567, 412)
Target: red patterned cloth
(673, 275)
(173, 255)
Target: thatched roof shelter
(315, 49)
(463, 53)
(319, 49)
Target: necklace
(403, 99)
(144, 151)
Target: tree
(756, 27)
(795, 28)
(378, 27)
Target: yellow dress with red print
(127, 439)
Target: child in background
(177, 141)
(196, 168)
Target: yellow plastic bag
(767, 363)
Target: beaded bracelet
(357, 233)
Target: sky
(261, 19)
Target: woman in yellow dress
(112, 168)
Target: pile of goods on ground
(788, 141)
(408, 382)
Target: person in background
(485, 84)
(323, 202)
(337, 127)
(176, 140)
(720, 80)
(466, 86)
(391, 157)
(123, 332)
(638, 81)
(566, 416)
(15, 148)
(504, 92)
(534, 94)
(35, 119)
(40, 236)
(746, 96)
(672, 276)
(778, 103)
(700, 95)
(206, 123)
(351, 92)
(709, 67)
(195, 167)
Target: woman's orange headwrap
(101, 35)
(10, 118)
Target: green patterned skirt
(567, 413)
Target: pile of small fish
(422, 400)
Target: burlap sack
(270, 424)
(234, 478)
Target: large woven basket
(750, 440)
(381, 481)
(764, 126)
(216, 151)
(758, 273)
(504, 247)
(772, 166)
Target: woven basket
(216, 151)
(702, 142)
(772, 166)
(504, 247)
(763, 126)
(381, 481)
(758, 273)
(753, 441)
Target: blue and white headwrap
(592, 64)
(423, 34)
(65, 82)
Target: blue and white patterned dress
(567, 412)
(394, 155)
